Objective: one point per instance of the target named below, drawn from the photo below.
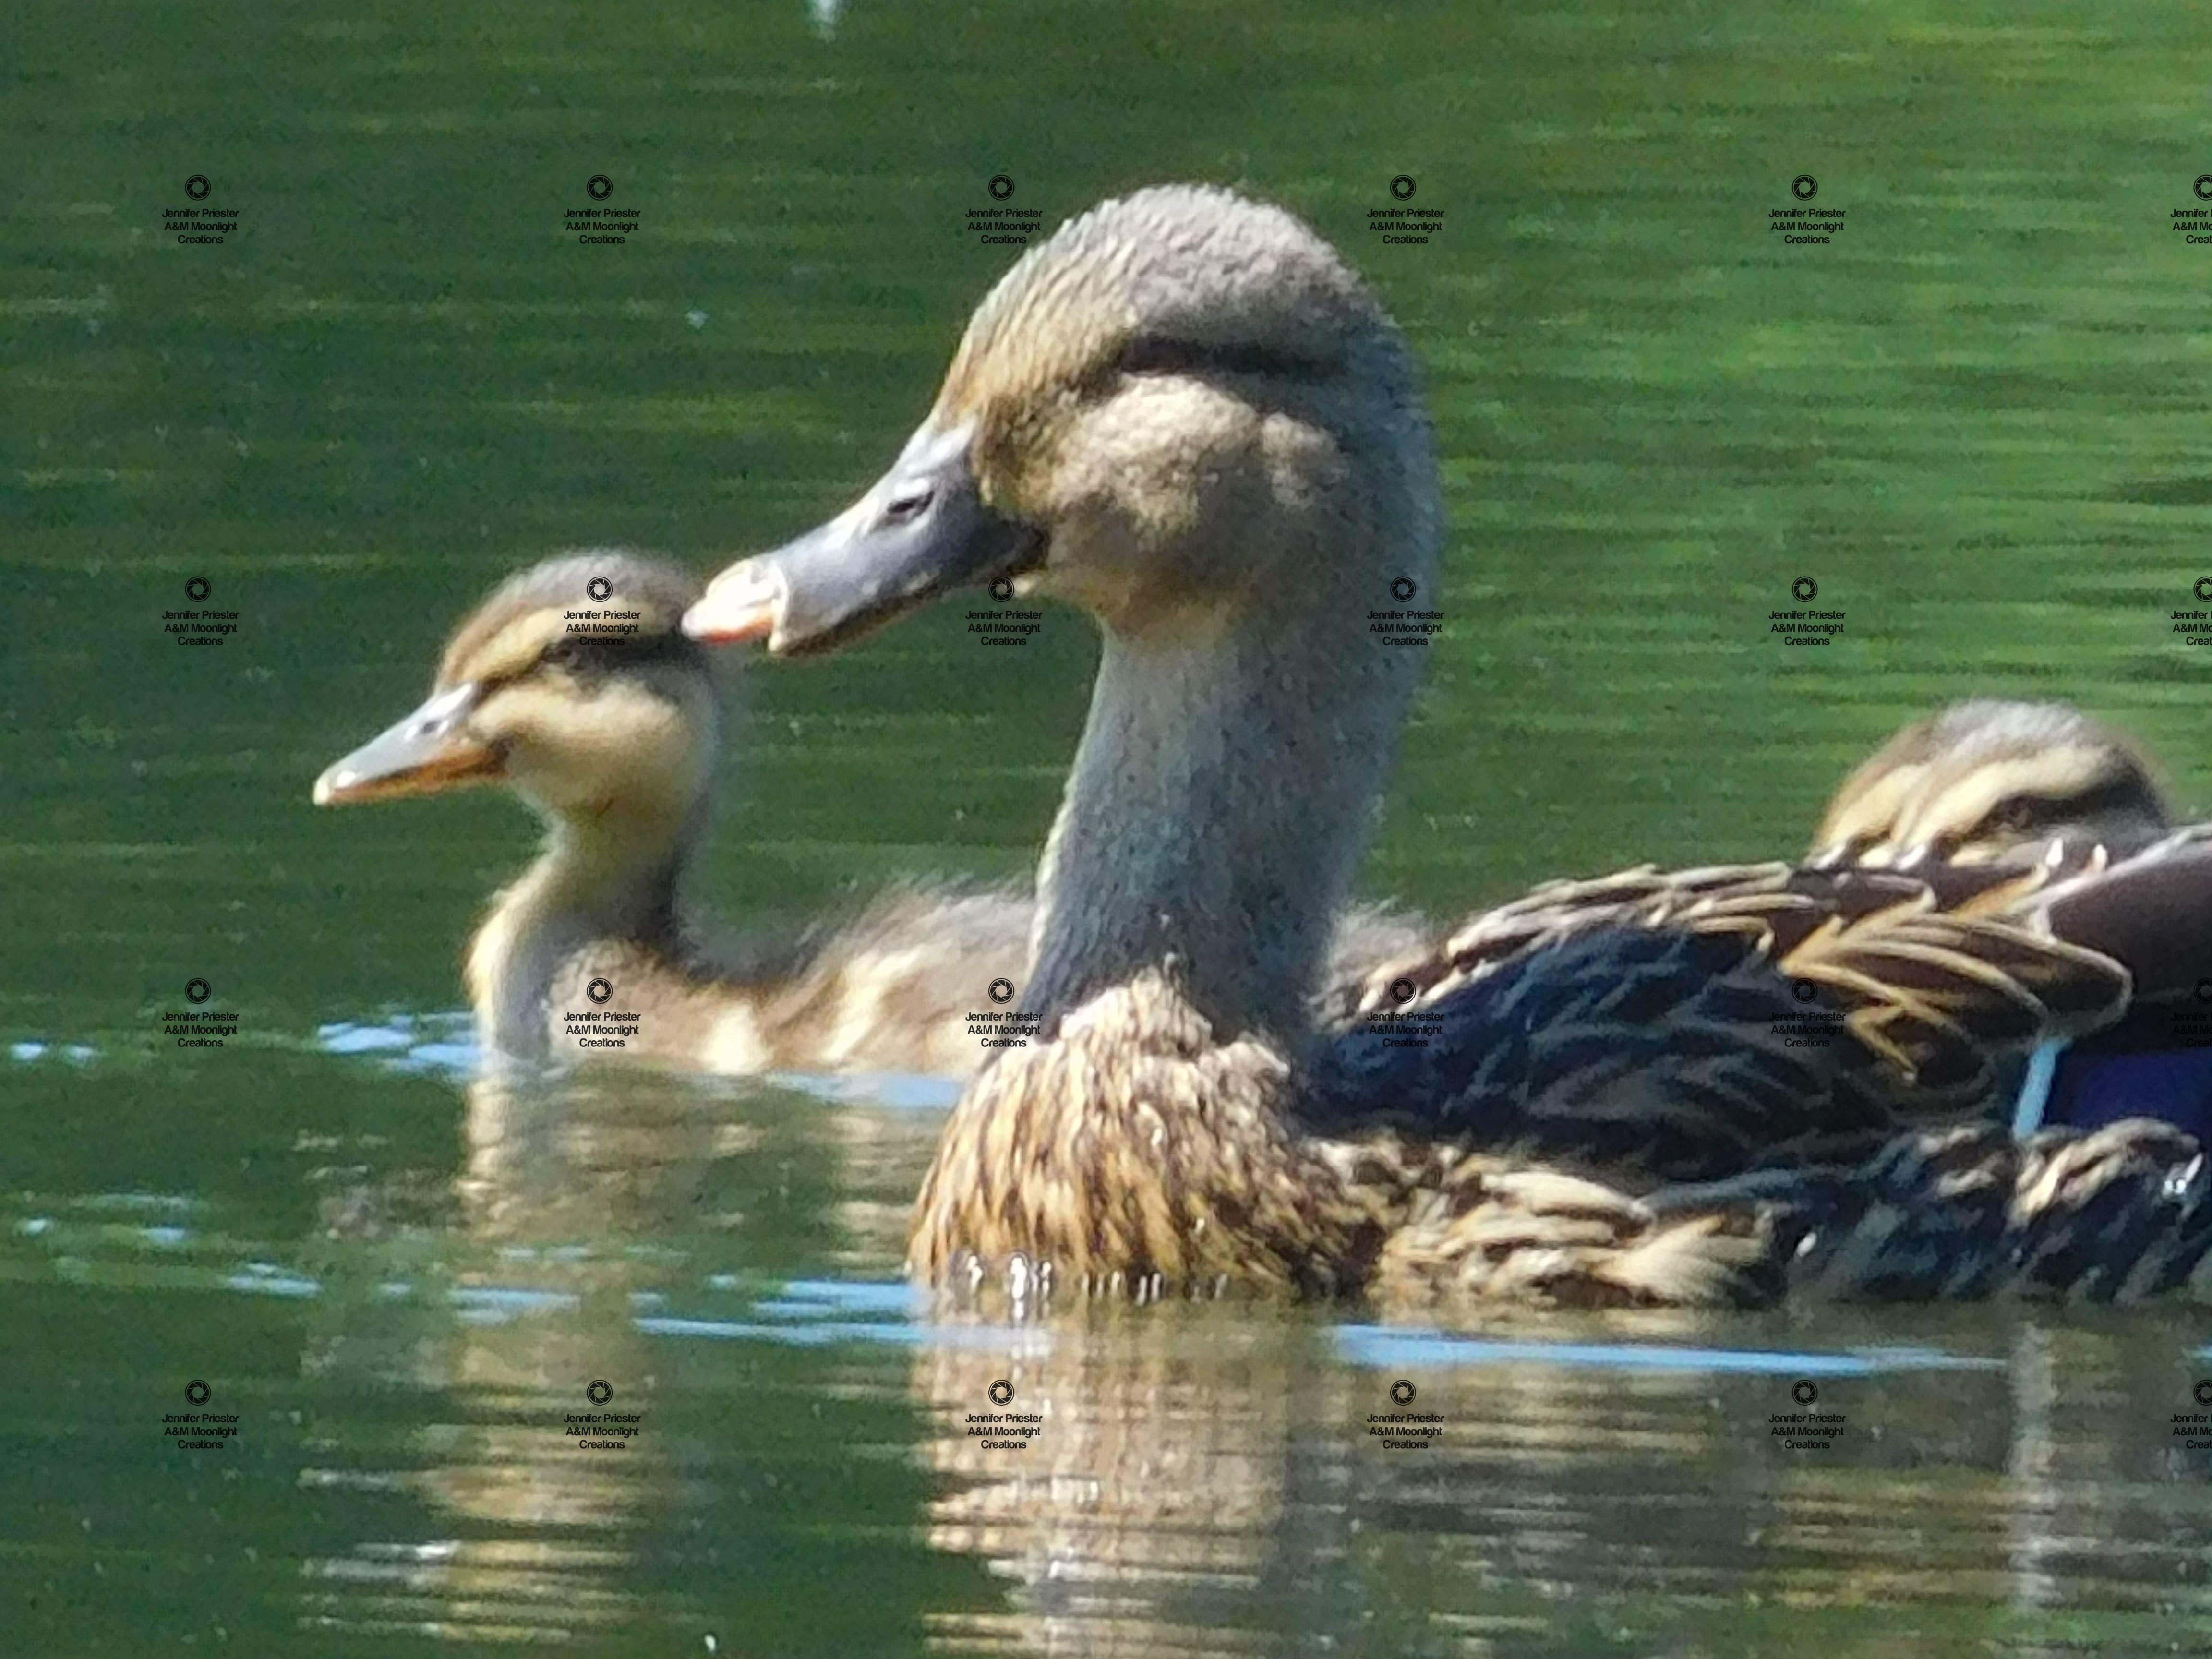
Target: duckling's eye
(2012, 817)
(1938, 848)
(590, 655)
(583, 656)
(909, 502)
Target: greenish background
(1977, 420)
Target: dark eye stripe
(1153, 354)
(2019, 812)
(603, 654)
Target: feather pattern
(1681, 1028)
(1190, 417)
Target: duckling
(1990, 779)
(1184, 413)
(2042, 784)
(574, 685)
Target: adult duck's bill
(924, 527)
(428, 750)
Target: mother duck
(1186, 413)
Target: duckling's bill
(430, 750)
(922, 528)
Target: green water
(1976, 420)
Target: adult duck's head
(1989, 781)
(1184, 401)
(1185, 413)
(574, 682)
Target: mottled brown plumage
(1136, 1155)
(2118, 1213)
(1734, 1014)
(1186, 413)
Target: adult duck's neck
(1217, 810)
(607, 875)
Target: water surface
(1976, 420)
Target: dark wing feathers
(1666, 1054)
(2152, 910)
(1693, 1024)
(1636, 1023)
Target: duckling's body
(890, 988)
(1184, 413)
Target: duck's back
(890, 989)
(1693, 1025)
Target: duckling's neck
(1217, 810)
(605, 874)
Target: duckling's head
(1990, 779)
(574, 682)
(1183, 402)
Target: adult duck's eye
(908, 502)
